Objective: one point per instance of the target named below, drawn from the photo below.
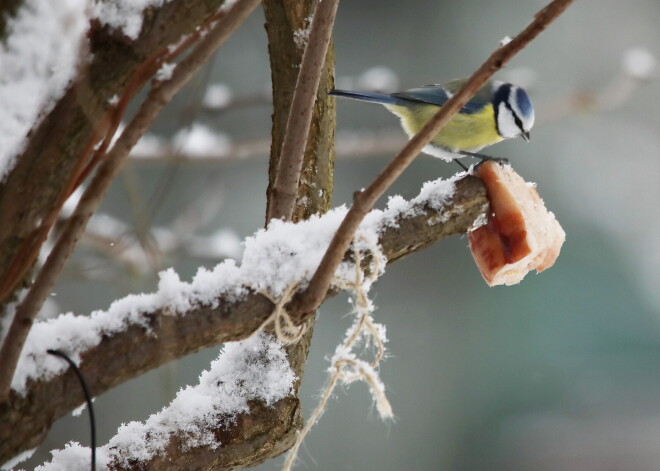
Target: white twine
(346, 367)
(286, 331)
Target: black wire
(88, 398)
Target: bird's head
(514, 113)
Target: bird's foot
(484, 158)
(460, 164)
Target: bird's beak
(525, 135)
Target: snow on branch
(273, 260)
(141, 332)
(256, 369)
(37, 60)
(124, 15)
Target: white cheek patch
(506, 124)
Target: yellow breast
(468, 132)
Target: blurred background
(561, 372)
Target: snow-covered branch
(203, 421)
(70, 119)
(141, 332)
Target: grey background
(557, 373)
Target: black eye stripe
(516, 119)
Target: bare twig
(158, 97)
(285, 189)
(364, 200)
(348, 145)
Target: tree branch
(353, 145)
(245, 443)
(304, 305)
(159, 96)
(55, 146)
(283, 19)
(285, 189)
(160, 336)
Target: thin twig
(285, 189)
(364, 200)
(158, 97)
(358, 144)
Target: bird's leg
(461, 165)
(484, 158)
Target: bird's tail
(367, 96)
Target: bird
(498, 111)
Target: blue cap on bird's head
(514, 113)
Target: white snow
(200, 141)
(433, 194)
(505, 40)
(149, 145)
(272, 260)
(301, 36)
(436, 193)
(125, 15)
(74, 457)
(72, 201)
(75, 334)
(77, 412)
(481, 220)
(217, 95)
(639, 62)
(378, 78)
(165, 72)
(227, 5)
(255, 369)
(37, 60)
(221, 244)
(26, 455)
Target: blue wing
(438, 95)
(430, 94)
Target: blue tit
(498, 111)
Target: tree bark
(283, 19)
